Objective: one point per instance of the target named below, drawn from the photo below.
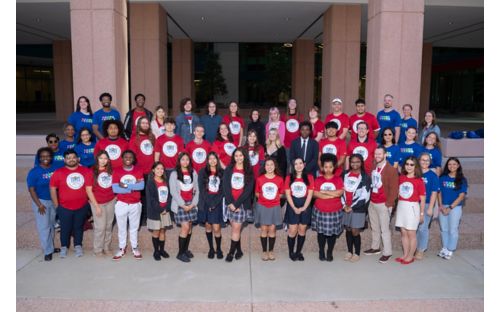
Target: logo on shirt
(105, 118)
(146, 147)
(128, 179)
(47, 176)
(327, 186)
(406, 190)
(254, 157)
(114, 151)
(361, 150)
(86, 120)
(329, 149)
(350, 184)
(199, 155)
(339, 124)
(355, 125)
(229, 148)
(292, 125)
(298, 189)
(235, 127)
(104, 180)
(385, 118)
(237, 181)
(404, 125)
(163, 194)
(170, 149)
(75, 180)
(425, 180)
(88, 150)
(407, 150)
(213, 184)
(449, 184)
(187, 184)
(269, 190)
(58, 158)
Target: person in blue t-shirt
(104, 114)
(82, 117)
(432, 146)
(38, 180)
(388, 118)
(211, 121)
(453, 187)
(57, 154)
(431, 181)
(405, 122)
(410, 147)
(85, 148)
(392, 150)
(69, 141)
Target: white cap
(337, 100)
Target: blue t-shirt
(57, 161)
(101, 116)
(211, 125)
(407, 150)
(86, 154)
(404, 124)
(436, 157)
(39, 178)
(79, 120)
(447, 189)
(66, 145)
(393, 154)
(387, 120)
(431, 181)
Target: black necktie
(303, 149)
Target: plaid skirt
(238, 217)
(181, 216)
(327, 223)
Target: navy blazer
(312, 152)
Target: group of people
(156, 170)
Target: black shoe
(292, 256)
(189, 254)
(220, 255)
(238, 255)
(300, 257)
(229, 258)
(322, 257)
(329, 258)
(164, 254)
(48, 257)
(156, 256)
(211, 254)
(183, 258)
(57, 250)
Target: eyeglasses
(410, 164)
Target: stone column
(148, 53)
(100, 51)
(394, 55)
(303, 74)
(425, 86)
(182, 72)
(341, 56)
(63, 79)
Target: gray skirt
(267, 216)
(156, 225)
(354, 220)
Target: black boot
(188, 253)
(239, 253)
(331, 243)
(300, 244)
(220, 255)
(229, 256)
(211, 251)
(321, 245)
(291, 246)
(162, 251)
(182, 250)
(156, 254)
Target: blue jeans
(449, 228)
(72, 222)
(45, 225)
(423, 231)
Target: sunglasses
(410, 164)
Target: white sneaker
(137, 253)
(119, 254)
(448, 255)
(63, 253)
(78, 251)
(442, 253)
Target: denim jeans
(72, 224)
(423, 231)
(45, 225)
(449, 228)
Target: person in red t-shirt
(318, 127)
(363, 115)
(268, 190)
(198, 148)
(299, 188)
(128, 181)
(340, 118)
(103, 214)
(255, 151)
(168, 146)
(113, 143)
(363, 146)
(292, 120)
(411, 207)
(235, 123)
(70, 191)
(223, 145)
(327, 212)
(333, 145)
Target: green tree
(212, 82)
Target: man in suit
(305, 148)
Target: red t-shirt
(71, 186)
(169, 149)
(337, 148)
(235, 124)
(365, 149)
(128, 177)
(299, 189)
(224, 150)
(162, 193)
(115, 149)
(237, 183)
(318, 127)
(378, 195)
(144, 152)
(369, 118)
(410, 189)
(255, 158)
(187, 186)
(269, 190)
(214, 181)
(135, 119)
(341, 120)
(292, 129)
(198, 153)
(349, 194)
(331, 184)
(102, 188)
